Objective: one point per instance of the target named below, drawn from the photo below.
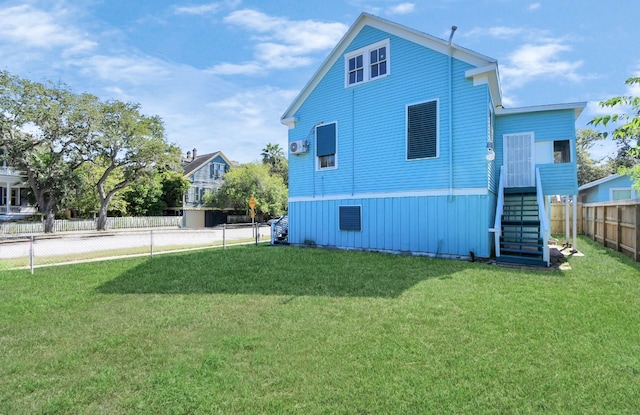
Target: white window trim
(366, 63)
(571, 157)
(406, 130)
(335, 165)
(634, 194)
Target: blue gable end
(372, 125)
(437, 198)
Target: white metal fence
(37, 250)
(64, 225)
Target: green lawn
(299, 330)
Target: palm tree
(271, 153)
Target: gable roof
(599, 182)
(487, 66)
(202, 160)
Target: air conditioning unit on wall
(298, 146)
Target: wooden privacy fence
(557, 222)
(615, 225)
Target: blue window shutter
(211, 170)
(350, 218)
(422, 130)
(326, 139)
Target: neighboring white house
(13, 195)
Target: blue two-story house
(206, 173)
(400, 143)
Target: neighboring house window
(212, 170)
(326, 143)
(561, 151)
(622, 193)
(422, 130)
(190, 195)
(366, 64)
(350, 218)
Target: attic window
(367, 63)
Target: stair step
(528, 252)
(520, 190)
(520, 233)
(531, 223)
(521, 241)
(514, 259)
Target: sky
(221, 73)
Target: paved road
(90, 242)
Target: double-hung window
(326, 145)
(422, 130)
(367, 63)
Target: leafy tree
(626, 132)
(43, 129)
(273, 156)
(130, 145)
(84, 199)
(253, 179)
(588, 169)
(144, 196)
(174, 186)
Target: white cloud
(206, 9)
(28, 27)
(210, 8)
(534, 6)
(280, 42)
(249, 119)
(130, 69)
(402, 8)
(509, 33)
(533, 61)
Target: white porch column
(8, 201)
(575, 221)
(566, 218)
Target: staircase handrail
(544, 222)
(278, 227)
(497, 226)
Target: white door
(519, 164)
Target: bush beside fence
(64, 225)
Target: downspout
(453, 30)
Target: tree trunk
(102, 216)
(49, 221)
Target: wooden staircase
(520, 240)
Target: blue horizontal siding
(557, 179)
(371, 119)
(433, 225)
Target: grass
(310, 331)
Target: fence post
(257, 234)
(224, 236)
(31, 254)
(636, 236)
(151, 243)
